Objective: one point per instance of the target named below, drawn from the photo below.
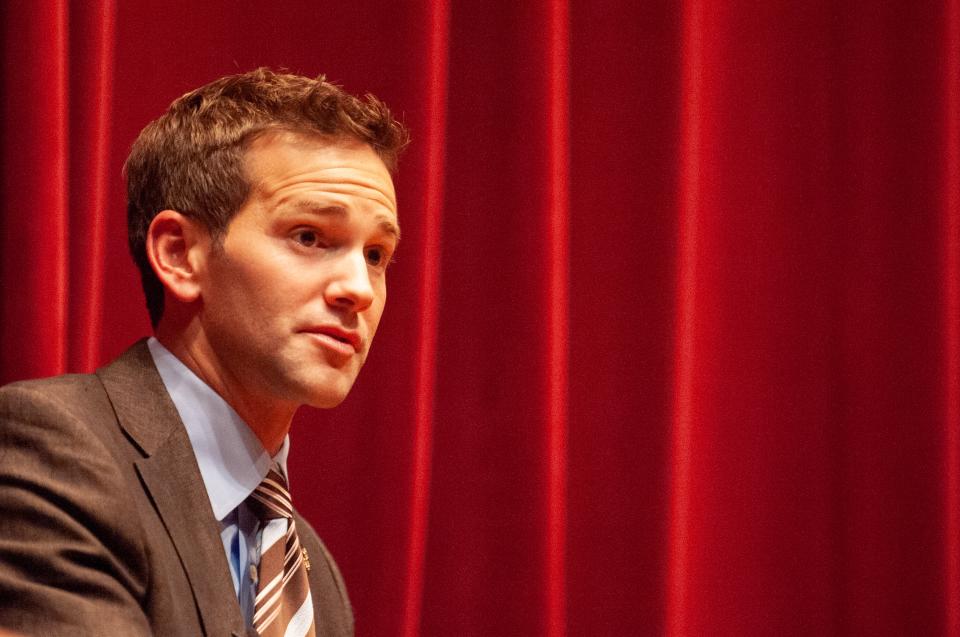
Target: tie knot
(271, 499)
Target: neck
(268, 418)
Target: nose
(350, 286)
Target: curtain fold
(36, 163)
(672, 343)
(91, 78)
(433, 139)
(557, 324)
(689, 191)
(58, 59)
(951, 305)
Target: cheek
(245, 294)
(374, 313)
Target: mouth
(340, 340)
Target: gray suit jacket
(105, 525)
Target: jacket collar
(169, 472)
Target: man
(151, 497)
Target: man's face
(292, 299)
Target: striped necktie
(283, 607)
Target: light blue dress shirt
(232, 463)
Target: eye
(377, 256)
(307, 238)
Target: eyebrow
(386, 225)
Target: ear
(176, 248)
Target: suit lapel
(185, 510)
(169, 472)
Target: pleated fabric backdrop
(673, 340)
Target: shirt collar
(231, 459)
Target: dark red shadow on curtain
(673, 339)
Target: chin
(326, 401)
(326, 395)
(323, 387)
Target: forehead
(283, 165)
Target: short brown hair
(191, 158)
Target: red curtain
(673, 340)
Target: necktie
(283, 606)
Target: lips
(346, 337)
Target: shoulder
(71, 410)
(61, 410)
(67, 550)
(58, 445)
(70, 394)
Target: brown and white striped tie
(283, 606)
